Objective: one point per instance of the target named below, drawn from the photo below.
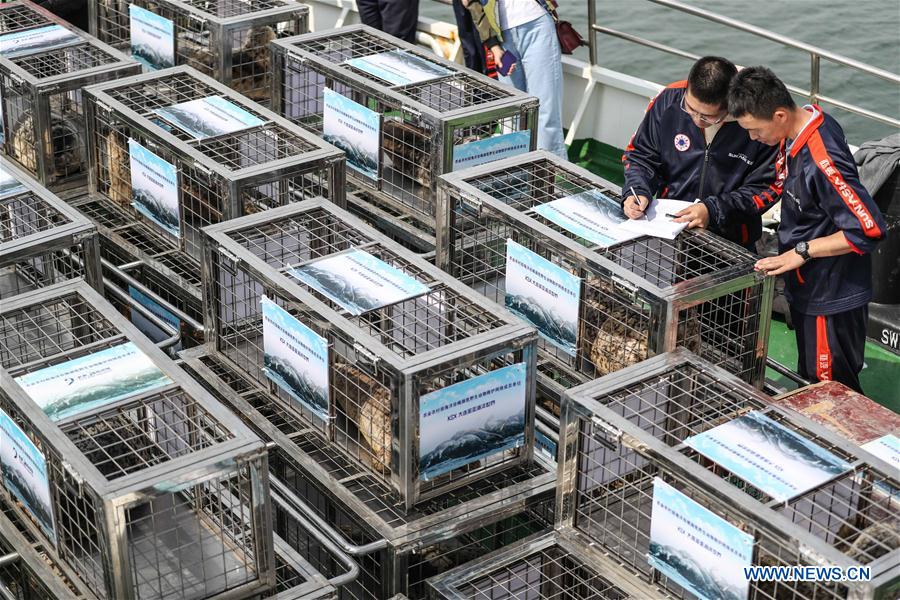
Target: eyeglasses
(699, 116)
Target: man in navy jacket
(829, 225)
(686, 148)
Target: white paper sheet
(656, 223)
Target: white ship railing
(816, 55)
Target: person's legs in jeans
(539, 73)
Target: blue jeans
(539, 73)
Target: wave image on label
(295, 358)
(154, 188)
(208, 117)
(467, 421)
(490, 149)
(152, 38)
(25, 474)
(32, 41)
(354, 129)
(92, 381)
(399, 67)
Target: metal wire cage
(624, 430)
(638, 297)
(162, 494)
(423, 126)
(42, 240)
(551, 566)
(227, 40)
(380, 362)
(218, 178)
(43, 108)
(28, 569)
(397, 549)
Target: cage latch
(811, 556)
(613, 432)
(470, 203)
(202, 168)
(230, 261)
(76, 477)
(365, 354)
(626, 287)
(411, 112)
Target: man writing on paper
(687, 149)
(829, 225)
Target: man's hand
(776, 265)
(634, 206)
(696, 215)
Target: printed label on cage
(9, 185)
(887, 448)
(590, 215)
(544, 295)
(25, 474)
(92, 381)
(295, 358)
(468, 421)
(152, 38)
(208, 117)
(154, 188)
(768, 455)
(545, 444)
(42, 39)
(359, 282)
(698, 549)
(490, 149)
(146, 326)
(399, 67)
(354, 129)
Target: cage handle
(608, 428)
(323, 526)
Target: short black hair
(757, 92)
(709, 78)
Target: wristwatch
(802, 248)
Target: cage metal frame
(36, 93)
(423, 212)
(222, 31)
(386, 539)
(144, 240)
(223, 253)
(115, 496)
(55, 228)
(565, 562)
(313, 585)
(632, 269)
(797, 544)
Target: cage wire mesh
(424, 128)
(295, 577)
(380, 362)
(638, 297)
(42, 240)
(438, 534)
(158, 494)
(227, 40)
(43, 109)
(249, 170)
(31, 571)
(545, 566)
(624, 430)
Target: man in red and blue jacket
(829, 225)
(686, 148)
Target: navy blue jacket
(668, 157)
(821, 195)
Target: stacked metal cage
(638, 298)
(397, 549)
(43, 108)
(382, 361)
(557, 565)
(622, 432)
(422, 125)
(42, 240)
(159, 494)
(219, 178)
(227, 40)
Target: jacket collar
(808, 129)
